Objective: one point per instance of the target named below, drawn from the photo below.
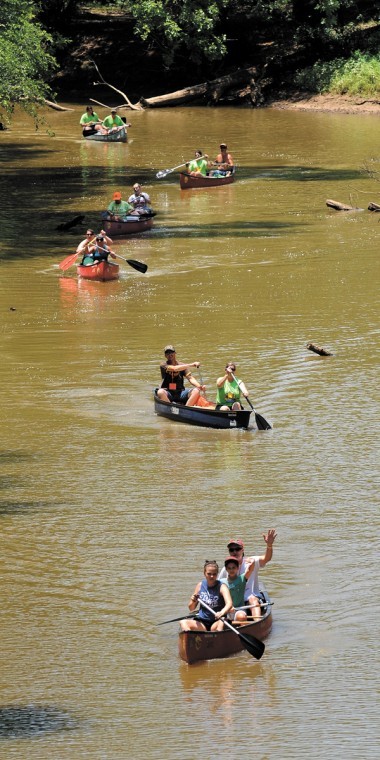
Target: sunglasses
(235, 549)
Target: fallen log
(373, 206)
(68, 225)
(56, 106)
(211, 91)
(341, 206)
(318, 349)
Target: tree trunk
(341, 206)
(210, 91)
(373, 206)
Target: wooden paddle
(164, 172)
(261, 422)
(254, 646)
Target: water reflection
(18, 721)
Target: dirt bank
(332, 103)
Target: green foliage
(190, 28)
(25, 60)
(359, 75)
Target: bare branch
(120, 92)
(56, 106)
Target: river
(108, 512)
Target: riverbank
(329, 103)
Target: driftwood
(212, 90)
(120, 92)
(373, 206)
(341, 206)
(318, 349)
(56, 106)
(68, 225)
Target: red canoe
(187, 181)
(101, 271)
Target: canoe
(101, 271)
(199, 415)
(194, 646)
(132, 226)
(120, 136)
(187, 181)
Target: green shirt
(236, 587)
(113, 121)
(228, 393)
(198, 164)
(87, 118)
(120, 209)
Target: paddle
(255, 647)
(261, 422)
(174, 620)
(139, 265)
(68, 261)
(164, 172)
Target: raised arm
(249, 570)
(269, 539)
(181, 367)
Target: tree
(25, 59)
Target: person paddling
(229, 390)
(97, 252)
(215, 594)
(173, 374)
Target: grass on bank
(359, 75)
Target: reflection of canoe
(202, 416)
(132, 225)
(120, 136)
(102, 271)
(187, 182)
(194, 646)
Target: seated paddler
(173, 374)
(97, 252)
(215, 594)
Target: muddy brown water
(108, 512)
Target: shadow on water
(7, 457)
(236, 229)
(17, 721)
(8, 507)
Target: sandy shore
(333, 103)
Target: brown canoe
(194, 646)
(187, 181)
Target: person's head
(223, 147)
(198, 153)
(113, 112)
(116, 197)
(89, 233)
(232, 566)
(100, 239)
(230, 367)
(137, 188)
(210, 571)
(89, 109)
(236, 548)
(169, 352)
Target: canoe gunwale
(189, 182)
(201, 416)
(102, 271)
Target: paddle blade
(68, 261)
(137, 265)
(162, 173)
(261, 422)
(254, 646)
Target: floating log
(318, 349)
(68, 225)
(211, 91)
(373, 206)
(341, 206)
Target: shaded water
(108, 512)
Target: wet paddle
(139, 265)
(255, 647)
(68, 261)
(164, 172)
(174, 620)
(261, 422)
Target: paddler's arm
(193, 602)
(221, 380)
(181, 367)
(225, 592)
